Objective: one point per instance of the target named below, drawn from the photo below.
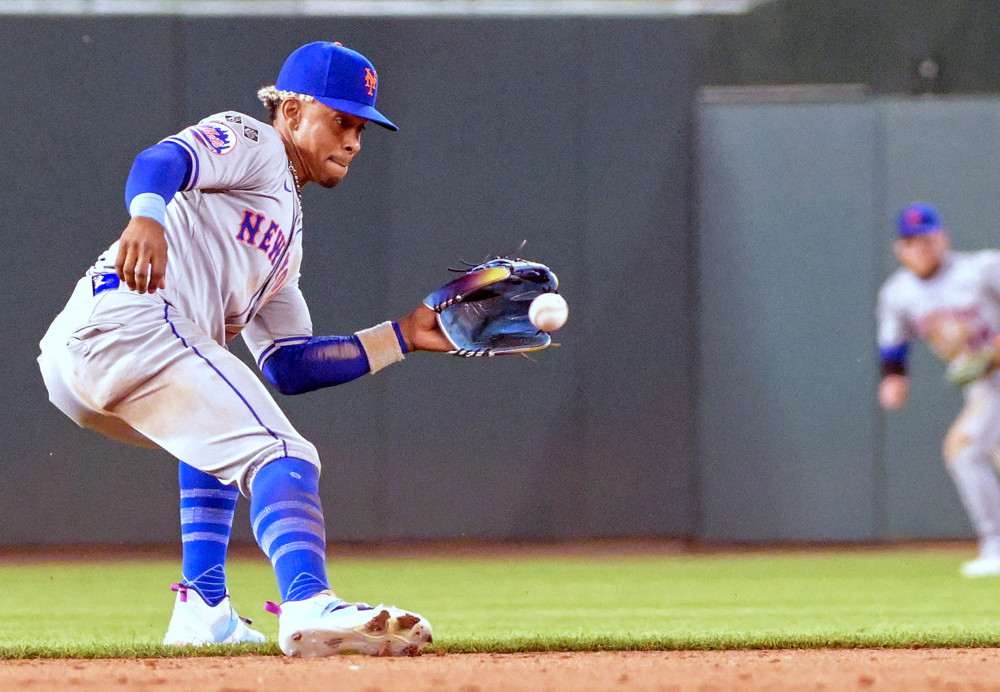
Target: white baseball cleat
(988, 566)
(325, 625)
(196, 623)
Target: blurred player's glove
(484, 312)
(967, 367)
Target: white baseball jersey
(955, 311)
(154, 368)
(232, 253)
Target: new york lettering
(270, 240)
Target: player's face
(922, 254)
(327, 141)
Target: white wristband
(150, 205)
(381, 345)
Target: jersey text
(272, 240)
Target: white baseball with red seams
(548, 312)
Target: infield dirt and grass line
(829, 670)
(616, 616)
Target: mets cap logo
(914, 218)
(371, 81)
(218, 137)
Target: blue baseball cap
(918, 219)
(338, 77)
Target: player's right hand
(142, 255)
(892, 391)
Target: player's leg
(203, 615)
(57, 365)
(968, 449)
(251, 443)
(202, 612)
(207, 510)
(201, 403)
(287, 520)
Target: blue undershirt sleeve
(894, 359)
(163, 170)
(323, 361)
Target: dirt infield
(937, 670)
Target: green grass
(863, 598)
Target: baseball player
(952, 301)
(139, 352)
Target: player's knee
(293, 474)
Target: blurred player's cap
(339, 77)
(918, 219)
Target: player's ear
(898, 247)
(291, 112)
(942, 243)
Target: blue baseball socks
(288, 524)
(207, 508)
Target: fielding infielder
(951, 300)
(139, 352)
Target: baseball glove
(967, 367)
(484, 312)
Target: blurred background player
(951, 300)
(139, 352)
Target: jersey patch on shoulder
(234, 119)
(219, 138)
(250, 133)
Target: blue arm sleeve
(323, 361)
(894, 359)
(163, 169)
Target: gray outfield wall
(797, 201)
(503, 138)
(575, 134)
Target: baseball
(548, 312)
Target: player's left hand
(421, 331)
(142, 255)
(487, 310)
